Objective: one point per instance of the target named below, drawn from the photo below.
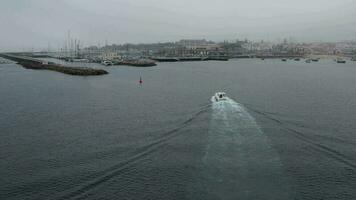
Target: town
(197, 49)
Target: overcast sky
(37, 23)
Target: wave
(309, 139)
(141, 153)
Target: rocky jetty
(30, 63)
(136, 62)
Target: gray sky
(35, 23)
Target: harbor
(193, 50)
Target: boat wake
(239, 162)
(297, 131)
(97, 179)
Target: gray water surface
(287, 132)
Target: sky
(27, 24)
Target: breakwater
(184, 59)
(31, 63)
(136, 62)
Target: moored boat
(340, 60)
(107, 63)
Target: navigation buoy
(141, 80)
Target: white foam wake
(239, 156)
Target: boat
(297, 59)
(340, 60)
(219, 96)
(315, 59)
(107, 63)
(284, 60)
(308, 60)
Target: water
(285, 133)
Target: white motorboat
(107, 63)
(219, 96)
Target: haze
(39, 23)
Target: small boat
(107, 63)
(315, 59)
(284, 60)
(219, 96)
(297, 59)
(308, 60)
(340, 60)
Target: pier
(32, 63)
